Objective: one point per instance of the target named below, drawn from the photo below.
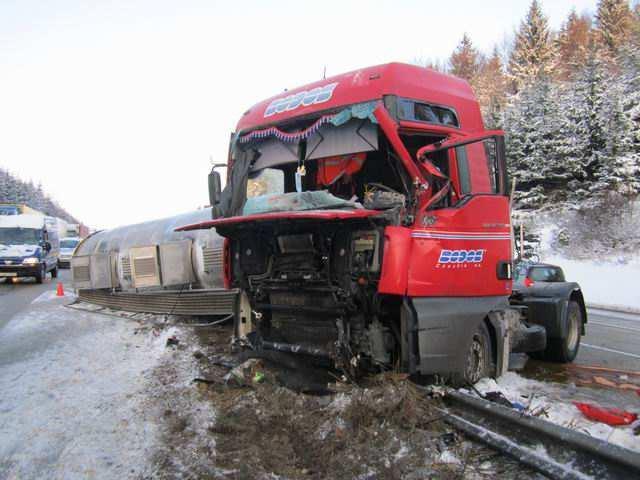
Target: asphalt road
(15, 295)
(612, 340)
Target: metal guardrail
(550, 449)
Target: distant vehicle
(553, 302)
(527, 274)
(29, 246)
(77, 230)
(67, 247)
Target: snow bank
(81, 397)
(604, 283)
(557, 400)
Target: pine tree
(614, 23)
(619, 170)
(533, 55)
(590, 116)
(465, 61)
(537, 145)
(14, 190)
(573, 44)
(490, 86)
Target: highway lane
(17, 295)
(612, 340)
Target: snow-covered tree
(539, 153)
(14, 190)
(533, 54)
(619, 170)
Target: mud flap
(445, 326)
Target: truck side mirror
(215, 188)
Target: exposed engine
(311, 287)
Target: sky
(119, 107)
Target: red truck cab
(368, 222)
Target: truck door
(461, 246)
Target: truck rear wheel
(478, 360)
(565, 349)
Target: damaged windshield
(343, 157)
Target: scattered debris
(243, 374)
(610, 416)
(172, 341)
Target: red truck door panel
(459, 255)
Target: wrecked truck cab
(372, 228)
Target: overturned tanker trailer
(149, 267)
(368, 221)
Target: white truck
(29, 245)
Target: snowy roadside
(597, 249)
(597, 278)
(556, 400)
(86, 395)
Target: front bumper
(13, 271)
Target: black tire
(478, 360)
(54, 272)
(40, 276)
(564, 350)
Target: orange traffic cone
(60, 290)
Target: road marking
(596, 347)
(614, 326)
(617, 315)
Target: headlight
(31, 261)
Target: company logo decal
(460, 258)
(304, 98)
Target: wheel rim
(572, 334)
(475, 360)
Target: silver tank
(151, 256)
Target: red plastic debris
(610, 416)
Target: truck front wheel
(565, 349)
(478, 360)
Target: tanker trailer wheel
(565, 349)
(478, 359)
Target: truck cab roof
(367, 84)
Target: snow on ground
(599, 250)
(557, 400)
(81, 397)
(604, 283)
(49, 295)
